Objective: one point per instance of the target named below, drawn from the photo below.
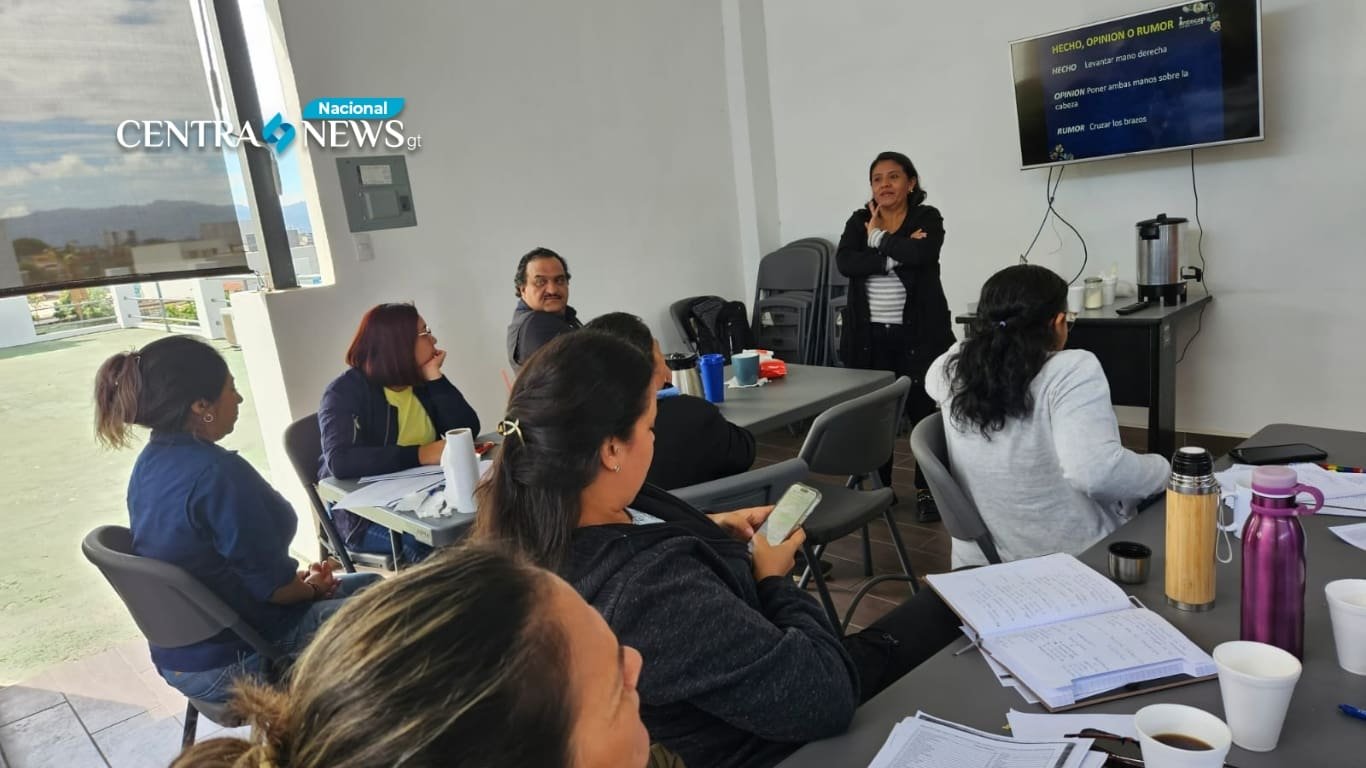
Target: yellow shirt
(414, 425)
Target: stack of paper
(417, 491)
(925, 741)
(1035, 727)
(388, 492)
(403, 473)
(1066, 632)
(1352, 534)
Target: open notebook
(1068, 633)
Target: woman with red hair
(388, 412)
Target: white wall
(16, 323)
(1284, 228)
(751, 135)
(598, 129)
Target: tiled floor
(927, 544)
(113, 710)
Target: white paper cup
(1257, 681)
(1164, 719)
(1347, 608)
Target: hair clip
(510, 426)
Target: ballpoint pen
(1351, 711)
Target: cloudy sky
(73, 69)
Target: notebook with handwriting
(1067, 632)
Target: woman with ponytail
(473, 659)
(202, 507)
(741, 665)
(1031, 432)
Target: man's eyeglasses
(559, 281)
(1120, 751)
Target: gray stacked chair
(836, 286)
(788, 302)
(853, 439)
(836, 307)
(172, 608)
(961, 517)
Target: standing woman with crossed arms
(898, 317)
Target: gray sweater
(1057, 480)
(736, 674)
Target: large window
(116, 156)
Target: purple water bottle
(1273, 559)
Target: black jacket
(694, 443)
(530, 330)
(360, 431)
(926, 320)
(736, 674)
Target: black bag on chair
(721, 327)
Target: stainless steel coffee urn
(1160, 277)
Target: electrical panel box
(377, 192)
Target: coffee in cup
(1178, 736)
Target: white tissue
(460, 466)
(433, 506)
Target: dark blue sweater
(205, 509)
(530, 330)
(736, 674)
(360, 431)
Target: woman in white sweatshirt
(1031, 432)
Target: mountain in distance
(162, 219)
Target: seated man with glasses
(1031, 432)
(543, 311)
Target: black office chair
(961, 517)
(172, 608)
(681, 313)
(854, 438)
(304, 446)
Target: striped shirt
(886, 299)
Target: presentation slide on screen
(1145, 82)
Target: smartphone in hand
(791, 511)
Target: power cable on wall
(1204, 272)
(1050, 194)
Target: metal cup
(1129, 562)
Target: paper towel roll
(460, 465)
